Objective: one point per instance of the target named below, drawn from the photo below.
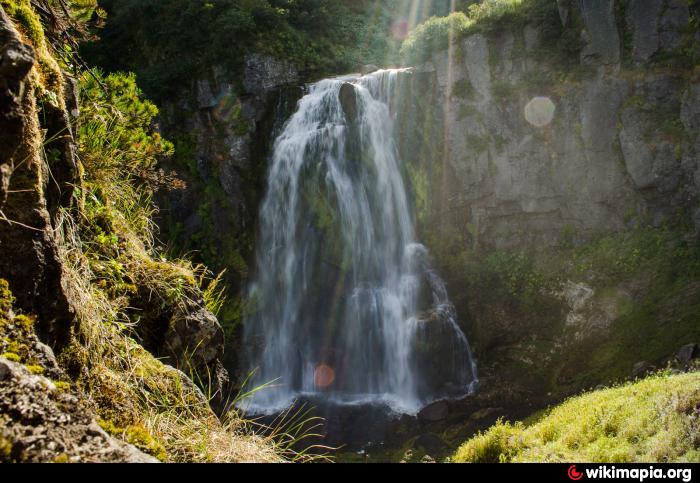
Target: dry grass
(129, 387)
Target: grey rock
(642, 368)
(602, 36)
(564, 7)
(688, 352)
(531, 34)
(47, 424)
(642, 20)
(436, 411)
(368, 69)
(263, 73)
(476, 53)
(205, 96)
(348, 100)
(194, 336)
(673, 24)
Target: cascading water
(345, 304)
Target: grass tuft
(654, 419)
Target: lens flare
(324, 376)
(540, 111)
(400, 29)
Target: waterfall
(344, 303)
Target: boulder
(368, 69)
(688, 352)
(434, 412)
(348, 100)
(49, 425)
(642, 368)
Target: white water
(347, 307)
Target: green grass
(653, 420)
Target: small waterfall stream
(345, 304)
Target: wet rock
(348, 100)
(430, 443)
(601, 34)
(436, 411)
(673, 25)
(368, 69)
(688, 352)
(642, 20)
(564, 7)
(205, 96)
(476, 52)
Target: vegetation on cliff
(655, 419)
(122, 288)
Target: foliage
(649, 420)
(438, 33)
(317, 35)
(434, 35)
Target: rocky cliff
(88, 304)
(223, 127)
(554, 161)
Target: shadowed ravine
(346, 305)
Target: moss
(62, 386)
(29, 22)
(463, 89)
(643, 421)
(6, 299)
(62, 458)
(25, 323)
(136, 435)
(142, 439)
(5, 450)
(11, 356)
(35, 369)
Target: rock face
(264, 73)
(224, 126)
(601, 34)
(28, 202)
(617, 150)
(38, 174)
(47, 424)
(528, 155)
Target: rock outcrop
(30, 199)
(525, 142)
(39, 171)
(617, 148)
(43, 423)
(225, 136)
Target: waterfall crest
(345, 304)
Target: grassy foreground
(653, 420)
